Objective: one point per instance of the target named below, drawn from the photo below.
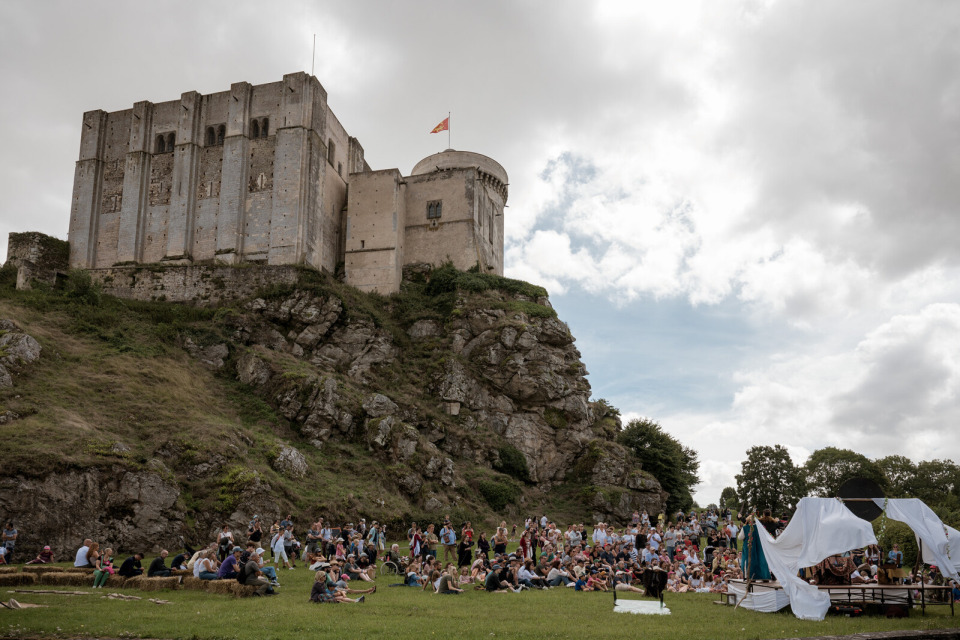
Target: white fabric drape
(765, 600)
(939, 544)
(820, 528)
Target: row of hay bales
(77, 577)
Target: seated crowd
(695, 553)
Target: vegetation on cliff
(463, 394)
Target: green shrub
(556, 418)
(512, 462)
(498, 494)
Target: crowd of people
(695, 552)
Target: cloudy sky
(747, 211)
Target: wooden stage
(853, 594)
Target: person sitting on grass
(433, 581)
(352, 569)
(494, 583)
(322, 593)
(559, 575)
(598, 581)
(448, 583)
(45, 557)
(158, 568)
(104, 568)
(582, 584)
(527, 577)
(336, 581)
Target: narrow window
(265, 127)
(340, 169)
(221, 133)
(211, 137)
(255, 130)
(159, 145)
(331, 150)
(434, 209)
(171, 141)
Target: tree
(729, 499)
(900, 472)
(769, 479)
(828, 468)
(672, 464)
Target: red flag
(443, 126)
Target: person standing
(9, 540)
(255, 531)
(448, 538)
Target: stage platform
(770, 596)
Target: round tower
(490, 171)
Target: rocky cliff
(464, 394)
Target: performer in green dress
(754, 562)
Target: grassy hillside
(115, 389)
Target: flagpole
(449, 146)
(313, 57)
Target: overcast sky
(747, 211)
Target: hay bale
(195, 584)
(87, 570)
(9, 569)
(65, 579)
(17, 579)
(40, 569)
(242, 590)
(223, 587)
(159, 584)
(52, 578)
(181, 572)
(115, 581)
(134, 582)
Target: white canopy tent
(822, 527)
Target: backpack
(242, 565)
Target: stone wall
(37, 257)
(198, 284)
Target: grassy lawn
(403, 612)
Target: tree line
(769, 479)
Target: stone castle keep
(266, 174)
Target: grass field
(402, 612)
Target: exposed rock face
(212, 356)
(507, 379)
(291, 462)
(16, 350)
(119, 508)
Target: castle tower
(449, 209)
(455, 202)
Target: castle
(266, 174)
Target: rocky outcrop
(506, 378)
(290, 462)
(120, 508)
(16, 350)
